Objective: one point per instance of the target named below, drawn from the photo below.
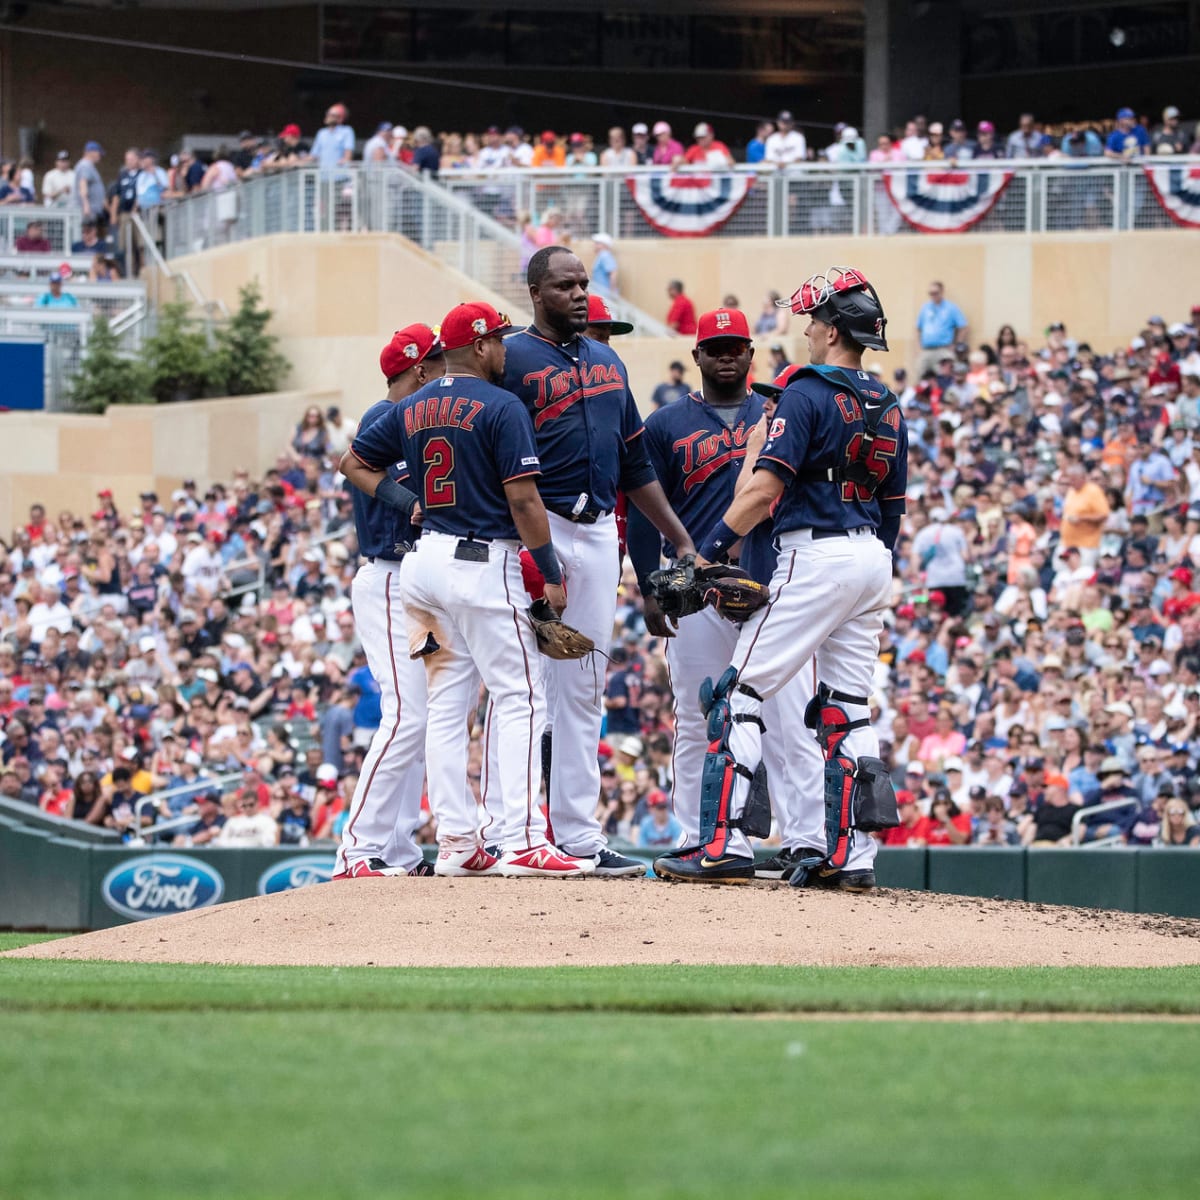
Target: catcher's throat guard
(858, 791)
(719, 776)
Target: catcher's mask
(843, 298)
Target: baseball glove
(732, 592)
(684, 588)
(555, 638)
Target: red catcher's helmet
(843, 298)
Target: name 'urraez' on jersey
(462, 439)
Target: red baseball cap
(466, 324)
(1183, 575)
(722, 323)
(600, 314)
(290, 131)
(781, 381)
(409, 346)
(549, 135)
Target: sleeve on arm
(514, 443)
(645, 544)
(381, 443)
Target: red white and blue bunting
(945, 199)
(683, 205)
(1177, 189)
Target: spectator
(580, 152)
(914, 143)
(706, 150)
(1085, 514)
(289, 152)
(1026, 141)
(773, 319)
(959, 148)
(667, 151)
(912, 828)
(55, 296)
(658, 828)
(294, 820)
(787, 145)
(249, 827)
(940, 326)
(604, 267)
(549, 152)
(58, 184)
(11, 191)
(1114, 786)
(311, 439)
(426, 157)
(1179, 827)
(681, 316)
(90, 241)
(1128, 138)
(151, 181)
(337, 728)
(985, 141)
(947, 824)
(334, 144)
(642, 150)
(756, 148)
(1051, 822)
(33, 240)
(942, 553)
(1169, 137)
(617, 153)
(520, 152)
(996, 829)
(377, 149)
(673, 389)
(935, 147)
(121, 198)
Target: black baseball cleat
(616, 866)
(842, 881)
(695, 866)
(779, 866)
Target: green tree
(179, 360)
(105, 376)
(247, 359)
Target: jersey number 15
(877, 462)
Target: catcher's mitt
(555, 638)
(732, 592)
(676, 588)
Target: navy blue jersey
(589, 433)
(696, 458)
(819, 424)
(380, 527)
(462, 439)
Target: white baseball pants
(575, 689)
(795, 765)
(386, 808)
(476, 612)
(827, 602)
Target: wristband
(546, 561)
(716, 545)
(391, 493)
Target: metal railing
(60, 226)
(42, 266)
(111, 300)
(1080, 819)
(154, 799)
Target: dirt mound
(408, 922)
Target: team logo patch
(945, 201)
(778, 425)
(531, 462)
(724, 320)
(411, 351)
(479, 326)
(685, 205)
(1177, 190)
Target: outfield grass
(150, 1081)
(41, 986)
(14, 941)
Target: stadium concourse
(1043, 653)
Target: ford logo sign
(157, 885)
(301, 871)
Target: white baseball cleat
(465, 863)
(546, 861)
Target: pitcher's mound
(407, 922)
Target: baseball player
(589, 438)
(386, 808)
(834, 467)
(697, 447)
(602, 325)
(474, 462)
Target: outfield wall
(58, 875)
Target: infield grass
(154, 1081)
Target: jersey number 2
(882, 449)
(438, 458)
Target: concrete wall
(62, 460)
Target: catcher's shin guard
(858, 791)
(720, 772)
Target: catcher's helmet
(843, 298)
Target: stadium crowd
(1043, 654)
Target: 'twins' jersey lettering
(556, 389)
(703, 453)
